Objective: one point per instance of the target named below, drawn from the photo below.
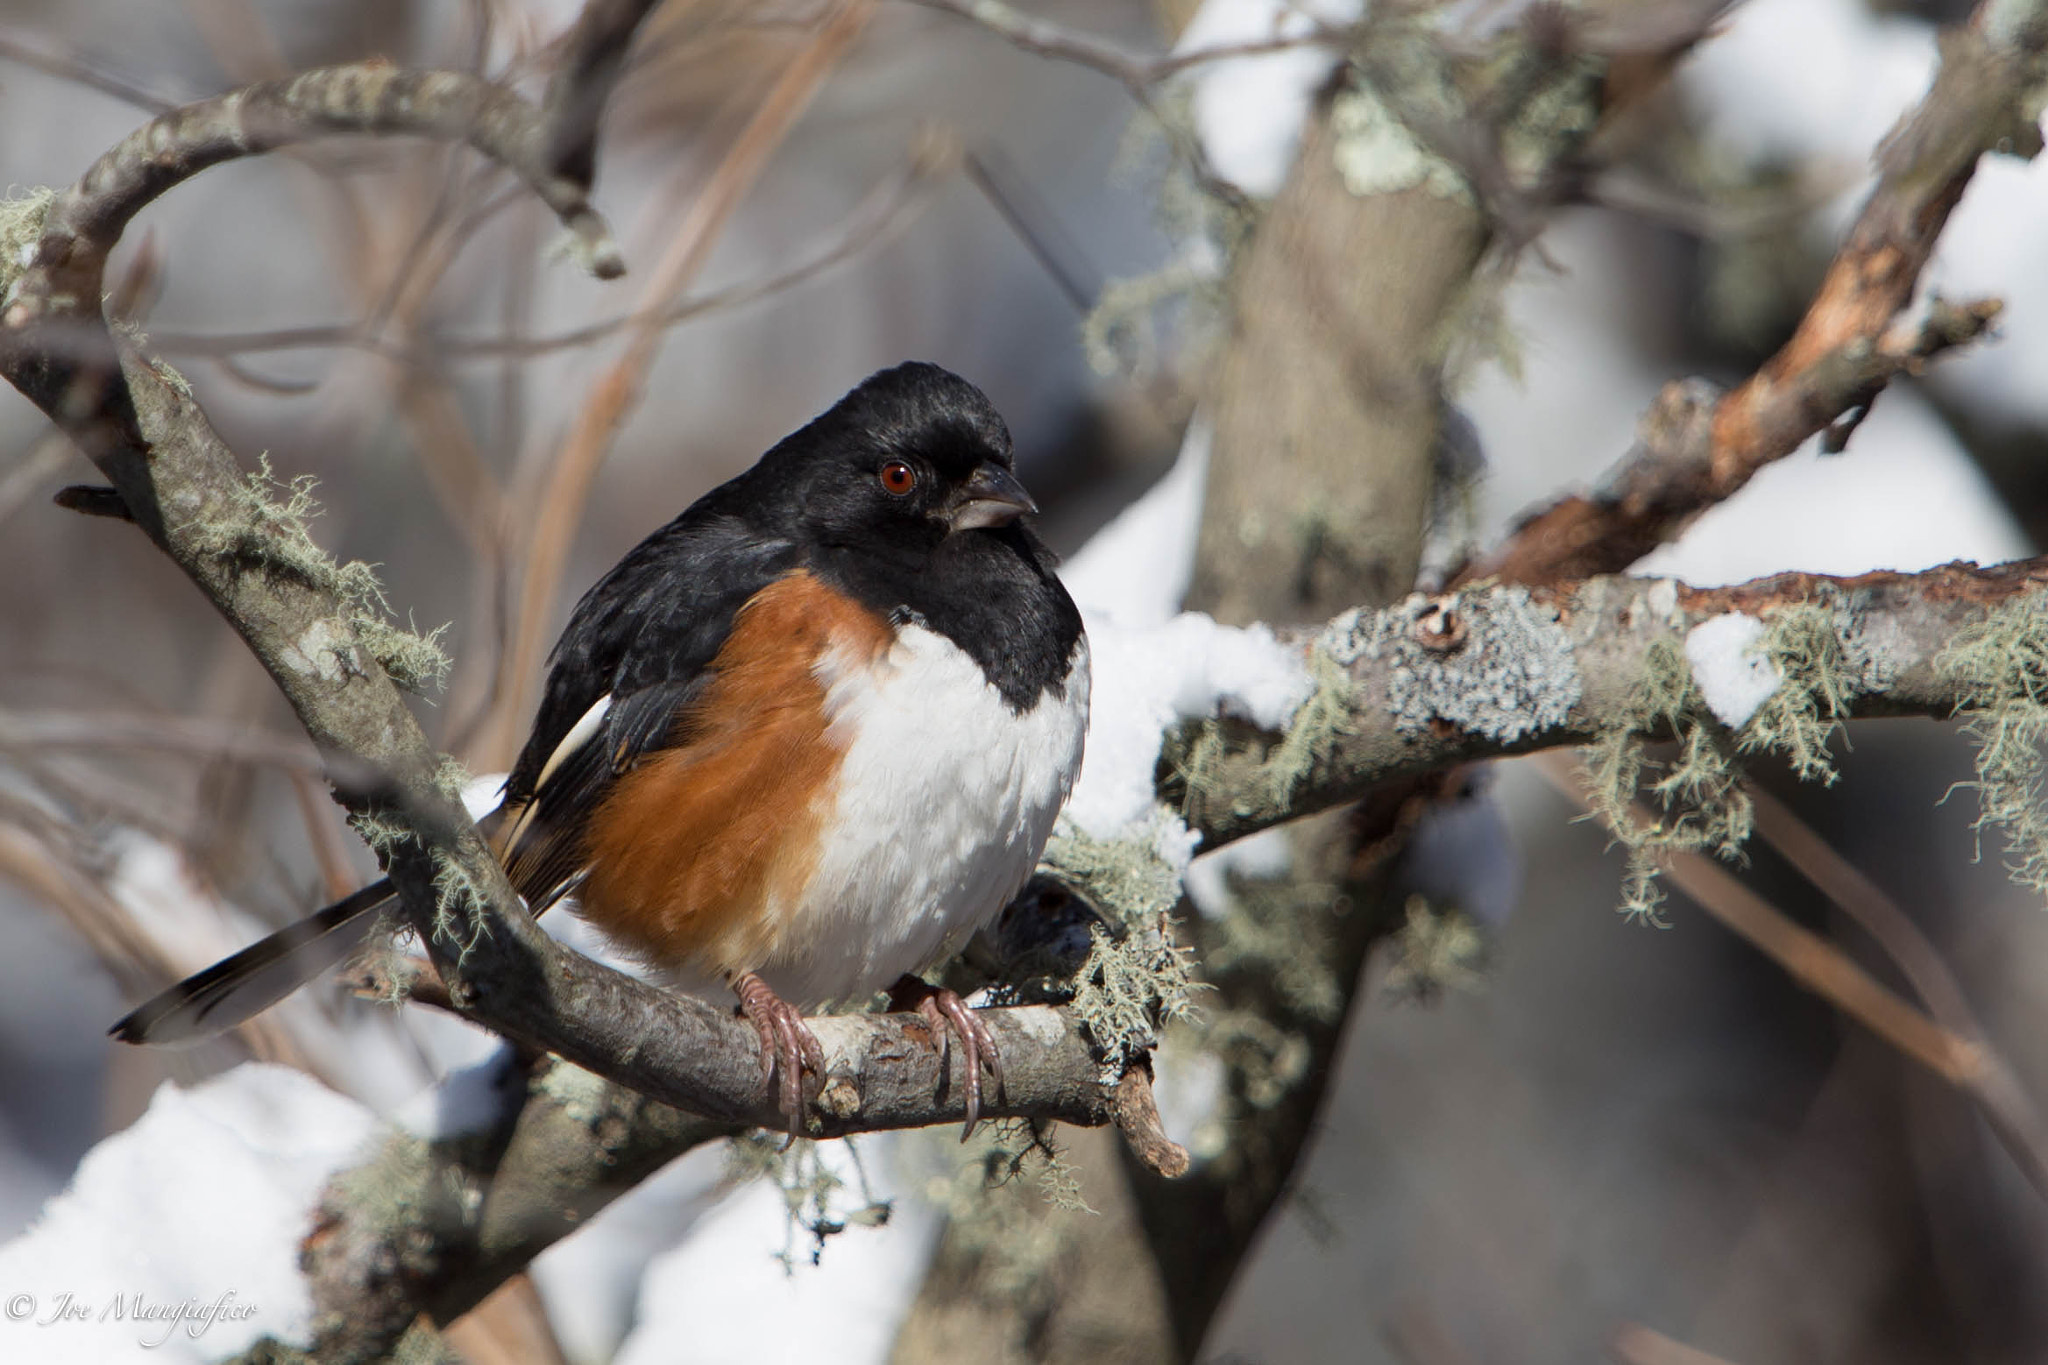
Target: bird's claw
(943, 1011)
(786, 1043)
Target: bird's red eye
(898, 477)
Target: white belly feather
(942, 807)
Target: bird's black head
(912, 456)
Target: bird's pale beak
(990, 497)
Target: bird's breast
(943, 801)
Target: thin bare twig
(86, 220)
(1138, 71)
(1965, 1062)
(2005, 1103)
(119, 939)
(1035, 226)
(593, 58)
(1635, 1344)
(1670, 475)
(323, 835)
(561, 501)
(198, 736)
(80, 70)
(881, 212)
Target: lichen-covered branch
(431, 1225)
(86, 220)
(1697, 446)
(1498, 669)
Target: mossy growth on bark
(2000, 670)
(460, 904)
(267, 527)
(1436, 949)
(1697, 799)
(1136, 977)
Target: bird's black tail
(239, 988)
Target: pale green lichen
(582, 1095)
(1804, 643)
(1126, 990)
(22, 214)
(1134, 880)
(1701, 806)
(1135, 976)
(1120, 334)
(452, 777)
(383, 833)
(1436, 949)
(461, 905)
(1264, 1060)
(2000, 671)
(1276, 928)
(817, 1202)
(460, 900)
(1013, 1206)
(1375, 153)
(1539, 106)
(1318, 723)
(1557, 114)
(265, 531)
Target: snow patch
(1136, 569)
(1249, 111)
(469, 1100)
(1733, 676)
(223, 1178)
(708, 1299)
(1147, 679)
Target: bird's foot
(786, 1042)
(944, 1010)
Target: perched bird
(800, 742)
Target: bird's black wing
(640, 643)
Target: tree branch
(367, 98)
(594, 58)
(1497, 669)
(1696, 447)
(1137, 71)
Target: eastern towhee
(802, 741)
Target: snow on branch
(1496, 669)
